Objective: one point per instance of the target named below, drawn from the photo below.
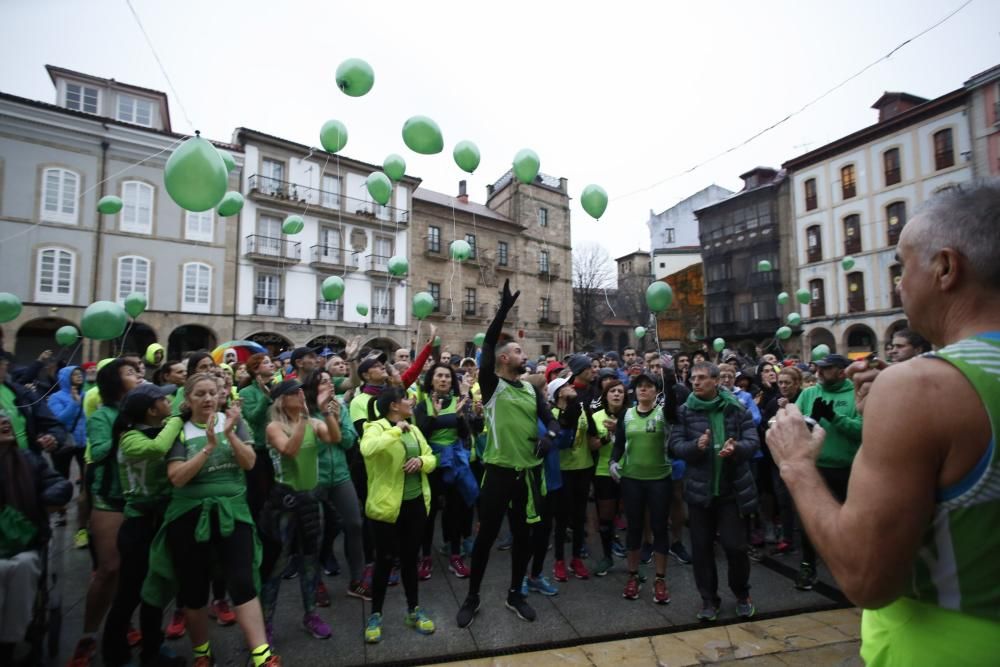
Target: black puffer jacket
(736, 482)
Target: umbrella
(244, 348)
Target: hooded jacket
(67, 410)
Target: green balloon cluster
(293, 224)
(803, 296)
(227, 159)
(794, 319)
(333, 136)
(109, 205)
(398, 266)
(783, 298)
(783, 333)
(103, 320)
(422, 135)
(355, 77)
(394, 166)
(423, 305)
(478, 339)
(231, 204)
(135, 304)
(594, 201)
(821, 351)
(10, 306)
(332, 288)
(764, 266)
(847, 263)
(719, 344)
(379, 187)
(659, 296)
(196, 176)
(466, 156)
(362, 309)
(67, 335)
(640, 332)
(460, 250)
(526, 165)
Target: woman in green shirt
(606, 491)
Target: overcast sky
(621, 94)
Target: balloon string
(128, 330)
(608, 301)
(55, 385)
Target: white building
(673, 234)
(852, 197)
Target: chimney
(463, 196)
(563, 185)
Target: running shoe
(506, 542)
(782, 547)
(755, 554)
(679, 553)
(620, 522)
(419, 621)
(745, 607)
(660, 593)
(539, 585)
(394, 577)
(358, 589)
(559, 571)
(331, 567)
(82, 539)
(133, 637)
(578, 569)
(458, 567)
(425, 568)
(518, 604)
(806, 578)
(273, 661)
(603, 567)
(222, 613)
(618, 550)
(646, 554)
(709, 610)
(322, 595)
(204, 661)
(84, 653)
(373, 629)
(177, 625)
(584, 551)
(292, 569)
(165, 658)
(757, 537)
(632, 588)
(468, 611)
(316, 626)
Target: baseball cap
(141, 398)
(837, 360)
(613, 356)
(285, 356)
(283, 388)
(554, 387)
(579, 363)
(553, 368)
(300, 352)
(607, 373)
(369, 361)
(643, 375)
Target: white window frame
(133, 103)
(128, 284)
(194, 224)
(274, 292)
(53, 295)
(83, 88)
(330, 198)
(196, 306)
(65, 194)
(136, 226)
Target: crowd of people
(207, 485)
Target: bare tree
(593, 274)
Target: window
(543, 261)
(137, 212)
(814, 244)
(135, 110)
(502, 253)
(668, 234)
(720, 313)
(200, 226)
(890, 160)
(133, 276)
(895, 217)
(764, 309)
(471, 240)
(60, 189)
(433, 239)
(848, 184)
(545, 307)
(330, 194)
(810, 188)
(817, 306)
(852, 234)
(434, 289)
(329, 240)
(543, 217)
(267, 296)
(895, 275)
(382, 312)
(54, 276)
(470, 300)
(81, 98)
(268, 241)
(383, 247)
(197, 289)
(274, 175)
(855, 292)
(944, 150)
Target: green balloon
(847, 263)
(783, 298)
(109, 205)
(783, 333)
(594, 200)
(227, 159)
(640, 332)
(478, 339)
(379, 187)
(398, 266)
(355, 77)
(794, 319)
(820, 351)
(67, 335)
(659, 296)
(103, 320)
(803, 296)
(423, 305)
(460, 250)
(719, 344)
(466, 156)
(362, 309)
(293, 224)
(10, 306)
(764, 266)
(333, 136)
(437, 341)
(394, 166)
(422, 135)
(333, 288)
(195, 175)
(135, 304)
(526, 165)
(231, 204)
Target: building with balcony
(737, 234)
(103, 137)
(984, 120)
(345, 233)
(852, 197)
(673, 233)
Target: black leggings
(504, 492)
(260, 480)
(540, 533)
(570, 509)
(836, 480)
(359, 476)
(722, 517)
(640, 496)
(134, 539)
(400, 540)
(195, 562)
(454, 514)
(63, 458)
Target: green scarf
(717, 422)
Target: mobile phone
(810, 422)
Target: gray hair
(713, 370)
(965, 218)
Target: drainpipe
(95, 279)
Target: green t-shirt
(359, 407)
(646, 445)
(512, 419)
(221, 475)
(604, 453)
(442, 437)
(577, 457)
(142, 466)
(106, 487)
(412, 482)
(255, 406)
(17, 420)
(301, 472)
